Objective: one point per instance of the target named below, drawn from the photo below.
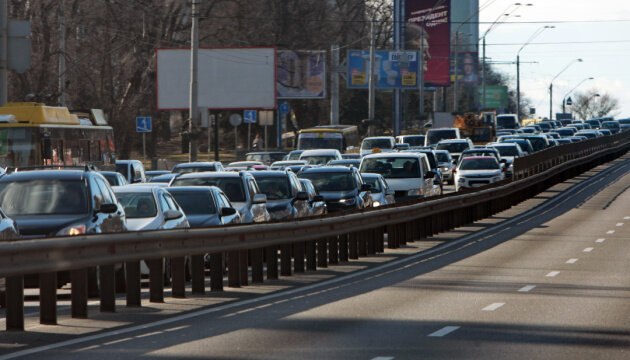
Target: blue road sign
(143, 124)
(249, 116)
(284, 108)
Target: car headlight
(415, 192)
(376, 204)
(75, 229)
(348, 201)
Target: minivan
(434, 136)
(508, 121)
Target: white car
(320, 156)
(382, 143)
(478, 171)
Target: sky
(598, 32)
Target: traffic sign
(284, 108)
(143, 124)
(569, 101)
(249, 116)
(236, 119)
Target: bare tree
(594, 104)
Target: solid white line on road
(572, 261)
(444, 331)
(553, 274)
(383, 358)
(610, 232)
(601, 240)
(589, 249)
(619, 224)
(493, 306)
(527, 288)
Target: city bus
(33, 134)
(344, 138)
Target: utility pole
(421, 77)
(62, 56)
(371, 80)
(194, 85)
(4, 41)
(334, 86)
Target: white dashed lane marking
(610, 232)
(444, 331)
(588, 249)
(619, 224)
(600, 240)
(553, 274)
(527, 288)
(572, 261)
(493, 306)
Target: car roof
(127, 161)
(268, 173)
(197, 189)
(371, 175)
(198, 163)
(479, 157)
(266, 152)
(45, 174)
(453, 140)
(237, 163)
(319, 152)
(327, 169)
(379, 137)
(135, 189)
(211, 174)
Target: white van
(408, 174)
(320, 156)
(383, 143)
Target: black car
(189, 167)
(342, 187)
(205, 205)
(46, 203)
(285, 197)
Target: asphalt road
(550, 283)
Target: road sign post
(143, 125)
(249, 118)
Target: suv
(47, 203)
(132, 170)
(320, 156)
(434, 136)
(189, 167)
(455, 146)
(342, 188)
(285, 197)
(508, 121)
(240, 188)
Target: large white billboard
(235, 78)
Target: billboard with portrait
(393, 69)
(301, 74)
(428, 21)
(467, 67)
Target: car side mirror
(259, 199)
(108, 208)
(172, 214)
(302, 195)
(366, 187)
(227, 211)
(318, 198)
(390, 192)
(430, 174)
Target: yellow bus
(344, 138)
(33, 134)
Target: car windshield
(479, 164)
(123, 169)
(318, 160)
(195, 202)
(392, 168)
(232, 187)
(192, 169)
(434, 136)
(453, 147)
(506, 122)
(331, 181)
(275, 187)
(138, 205)
(44, 197)
(374, 183)
(376, 143)
(507, 150)
(442, 157)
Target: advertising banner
(394, 69)
(496, 97)
(301, 74)
(429, 20)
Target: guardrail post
(343, 247)
(107, 288)
(422, 233)
(333, 250)
(380, 239)
(322, 252)
(402, 234)
(178, 276)
(369, 238)
(428, 226)
(132, 275)
(197, 274)
(156, 280)
(216, 271)
(257, 265)
(353, 250)
(391, 236)
(362, 243)
(79, 295)
(285, 260)
(234, 278)
(311, 255)
(271, 253)
(48, 298)
(298, 257)
(14, 288)
(243, 267)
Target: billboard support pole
(194, 85)
(398, 115)
(371, 96)
(334, 86)
(421, 77)
(4, 40)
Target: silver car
(380, 192)
(445, 165)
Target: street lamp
(483, 37)
(518, 62)
(551, 86)
(564, 99)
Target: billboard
(301, 74)
(394, 69)
(431, 17)
(236, 78)
(496, 97)
(467, 67)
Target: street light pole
(518, 71)
(570, 91)
(551, 86)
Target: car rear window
(479, 164)
(232, 187)
(331, 181)
(44, 197)
(195, 202)
(392, 168)
(453, 147)
(376, 143)
(434, 135)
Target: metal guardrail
(303, 244)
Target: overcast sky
(596, 31)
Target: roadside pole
(194, 85)
(334, 86)
(4, 40)
(371, 79)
